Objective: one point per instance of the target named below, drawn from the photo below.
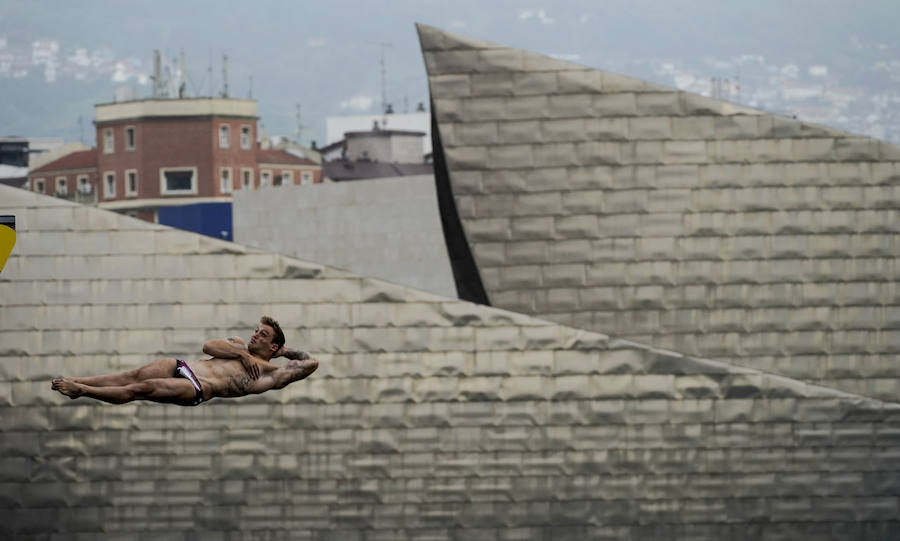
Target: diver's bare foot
(67, 387)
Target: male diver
(234, 370)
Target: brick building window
(265, 177)
(130, 142)
(225, 179)
(306, 177)
(178, 180)
(131, 183)
(109, 141)
(84, 184)
(287, 178)
(247, 178)
(109, 185)
(39, 185)
(224, 136)
(61, 187)
(245, 137)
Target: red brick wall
(71, 181)
(234, 157)
(118, 161)
(175, 142)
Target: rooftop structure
(337, 126)
(181, 107)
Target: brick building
(73, 176)
(160, 153)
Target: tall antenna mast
(210, 72)
(299, 131)
(182, 78)
(225, 76)
(157, 73)
(384, 45)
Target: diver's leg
(162, 368)
(165, 390)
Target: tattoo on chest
(239, 384)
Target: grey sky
(325, 55)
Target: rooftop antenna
(164, 90)
(182, 77)
(299, 131)
(250, 91)
(384, 45)
(157, 73)
(225, 76)
(210, 73)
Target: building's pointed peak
(435, 39)
(452, 54)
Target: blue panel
(212, 219)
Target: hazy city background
(833, 62)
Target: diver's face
(261, 339)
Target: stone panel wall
(384, 228)
(429, 417)
(608, 203)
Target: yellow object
(7, 241)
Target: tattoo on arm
(296, 355)
(296, 370)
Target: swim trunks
(182, 370)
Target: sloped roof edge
(80, 159)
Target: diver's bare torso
(227, 377)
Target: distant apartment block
(159, 158)
(377, 153)
(73, 176)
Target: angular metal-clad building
(609, 203)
